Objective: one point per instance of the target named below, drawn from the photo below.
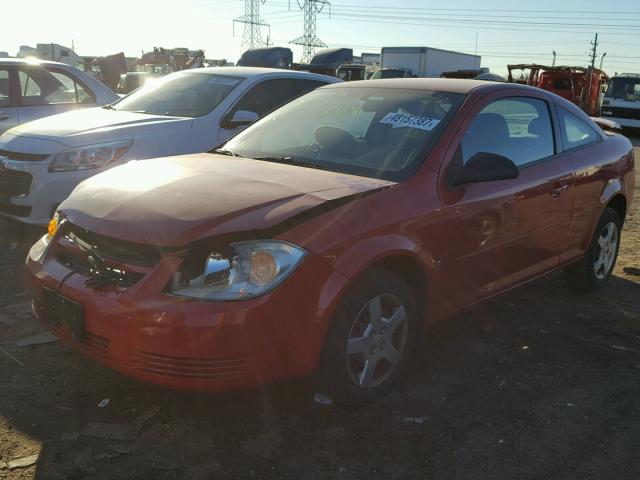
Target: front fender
(354, 260)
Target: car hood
(177, 200)
(94, 125)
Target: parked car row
(186, 112)
(322, 239)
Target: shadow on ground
(540, 383)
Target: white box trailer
(423, 62)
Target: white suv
(190, 111)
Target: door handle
(557, 191)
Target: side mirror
(240, 118)
(484, 167)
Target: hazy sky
(508, 31)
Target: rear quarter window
(575, 132)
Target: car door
(48, 91)
(262, 98)
(8, 101)
(496, 234)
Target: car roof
(32, 61)
(247, 72)
(453, 85)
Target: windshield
(183, 94)
(624, 88)
(376, 132)
(388, 73)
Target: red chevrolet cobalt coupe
(325, 236)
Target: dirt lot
(541, 383)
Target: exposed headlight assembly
(241, 271)
(39, 249)
(91, 156)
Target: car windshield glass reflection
(375, 132)
(181, 95)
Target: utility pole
(251, 33)
(594, 51)
(554, 58)
(585, 101)
(309, 40)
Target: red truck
(581, 86)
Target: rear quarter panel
(602, 171)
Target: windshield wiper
(108, 107)
(222, 151)
(289, 161)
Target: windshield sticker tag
(399, 120)
(222, 81)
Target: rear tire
(595, 268)
(370, 340)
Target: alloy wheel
(377, 340)
(606, 250)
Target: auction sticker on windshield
(398, 120)
(223, 81)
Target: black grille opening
(14, 182)
(23, 157)
(81, 265)
(117, 250)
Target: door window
(5, 87)
(73, 91)
(39, 86)
(267, 95)
(575, 132)
(518, 128)
(305, 86)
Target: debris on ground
(151, 412)
(621, 348)
(417, 420)
(69, 437)
(111, 431)
(103, 403)
(106, 455)
(322, 399)
(37, 339)
(11, 357)
(119, 449)
(22, 462)
(631, 270)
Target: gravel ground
(541, 383)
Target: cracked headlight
(241, 271)
(91, 156)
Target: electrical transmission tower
(251, 33)
(309, 40)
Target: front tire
(595, 268)
(370, 340)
